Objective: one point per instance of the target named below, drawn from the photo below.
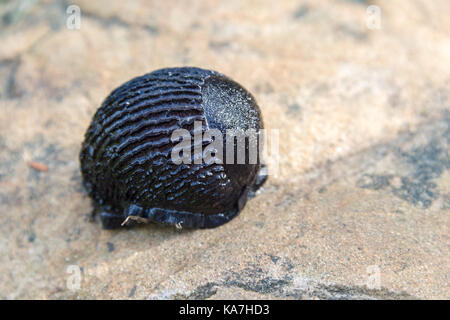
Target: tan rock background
(362, 191)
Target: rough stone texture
(363, 178)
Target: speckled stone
(359, 207)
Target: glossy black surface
(126, 155)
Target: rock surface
(359, 207)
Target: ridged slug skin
(126, 155)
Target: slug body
(127, 155)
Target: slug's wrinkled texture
(126, 159)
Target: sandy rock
(359, 207)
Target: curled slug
(142, 159)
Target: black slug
(138, 165)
